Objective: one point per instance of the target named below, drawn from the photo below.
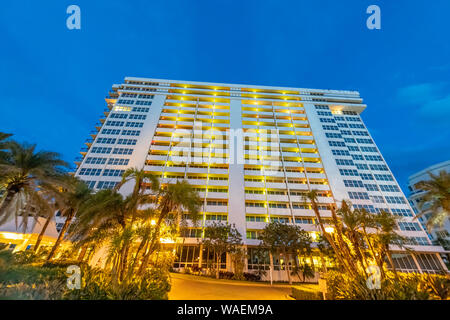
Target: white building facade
(251, 152)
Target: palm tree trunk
(41, 234)
(217, 265)
(286, 264)
(271, 267)
(82, 253)
(61, 235)
(152, 245)
(6, 202)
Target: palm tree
(172, 198)
(3, 145)
(74, 198)
(24, 175)
(436, 199)
(338, 246)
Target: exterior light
(153, 222)
(11, 235)
(329, 229)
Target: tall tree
(221, 238)
(174, 199)
(24, 174)
(3, 145)
(436, 200)
(288, 240)
(74, 196)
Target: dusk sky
(54, 80)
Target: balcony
(251, 196)
(255, 210)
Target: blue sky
(54, 80)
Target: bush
(252, 276)
(305, 294)
(38, 282)
(408, 286)
(226, 275)
(28, 274)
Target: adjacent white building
(251, 152)
(416, 195)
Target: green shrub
(305, 294)
(406, 286)
(29, 274)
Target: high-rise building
(251, 152)
(416, 195)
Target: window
(125, 151)
(143, 103)
(348, 172)
(354, 119)
(373, 158)
(93, 160)
(394, 199)
(113, 172)
(366, 176)
(278, 205)
(356, 126)
(254, 204)
(360, 133)
(357, 157)
(118, 161)
(362, 166)
(368, 207)
(365, 141)
(280, 219)
(106, 140)
(101, 150)
(369, 149)
(409, 226)
(216, 203)
(342, 124)
(138, 116)
(340, 152)
(135, 124)
(389, 188)
(110, 131)
(324, 113)
(350, 113)
(353, 148)
(131, 132)
(379, 167)
(252, 234)
(118, 115)
(384, 177)
(146, 96)
(127, 141)
(304, 220)
(255, 218)
(328, 127)
(349, 140)
(344, 162)
(327, 120)
(358, 195)
(371, 187)
(377, 199)
(140, 109)
(128, 95)
(333, 143)
(114, 123)
(90, 172)
(402, 212)
(332, 135)
(125, 101)
(346, 132)
(216, 217)
(322, 107)
(353, 183)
